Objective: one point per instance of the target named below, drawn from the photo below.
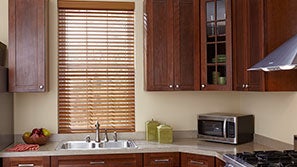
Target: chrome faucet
(97, 135)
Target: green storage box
(165, 134)
(151, 133)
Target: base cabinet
(220, 163)
(161, 159)
(26, 162)
(112, 160)
(195, 160)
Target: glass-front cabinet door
(216, 57)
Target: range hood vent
(282, 58)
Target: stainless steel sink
(83, 145)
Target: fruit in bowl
(37, 136)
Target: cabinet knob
(202, 86)
(170, 86)
(177, 86)
(243, 85)
(246, 85)
(41, 86)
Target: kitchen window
(96, 66)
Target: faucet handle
(106, 136)
(88, 139)
(115, 136)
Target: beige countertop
(192, 145)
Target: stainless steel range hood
(282, 58)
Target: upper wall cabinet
(28, 45)
(216, 37)
(247, 30)
(259, 27)
(171, 44)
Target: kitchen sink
(83, 145)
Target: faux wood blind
(96, 67)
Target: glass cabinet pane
(216, 42)
(221, 80)
(221, 10)
(210, 11)
(221, 28)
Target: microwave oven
(229, 128)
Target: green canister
(151, 133)
(165, 134)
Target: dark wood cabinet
(26, 162)
(220, 163)
(216, 45)
(273, 26)
(247, 30)
(28, 45)
(195, 160)
(171, 44)
(161, 159)
(112, 160)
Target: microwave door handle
(225, 128)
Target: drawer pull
(25, 165)
(161, 160)
(197, 162)
(97, 163)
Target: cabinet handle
(202, 86)
(170, 86)
(41, 86)
(97, 163)
(176, 86)
(197, 162)
(161, 160)
(25, 165)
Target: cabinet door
(246, 52)
(280, 25)
(27, 45)
(161, 159)
(186, 38)
(220, 163)
(26, 162)
(216, 57)
(194, 160)
(113, 160)
(158, 45)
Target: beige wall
(273, 111)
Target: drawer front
(26, 162)
(161, 159)
(193, 160)
(112, 160)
